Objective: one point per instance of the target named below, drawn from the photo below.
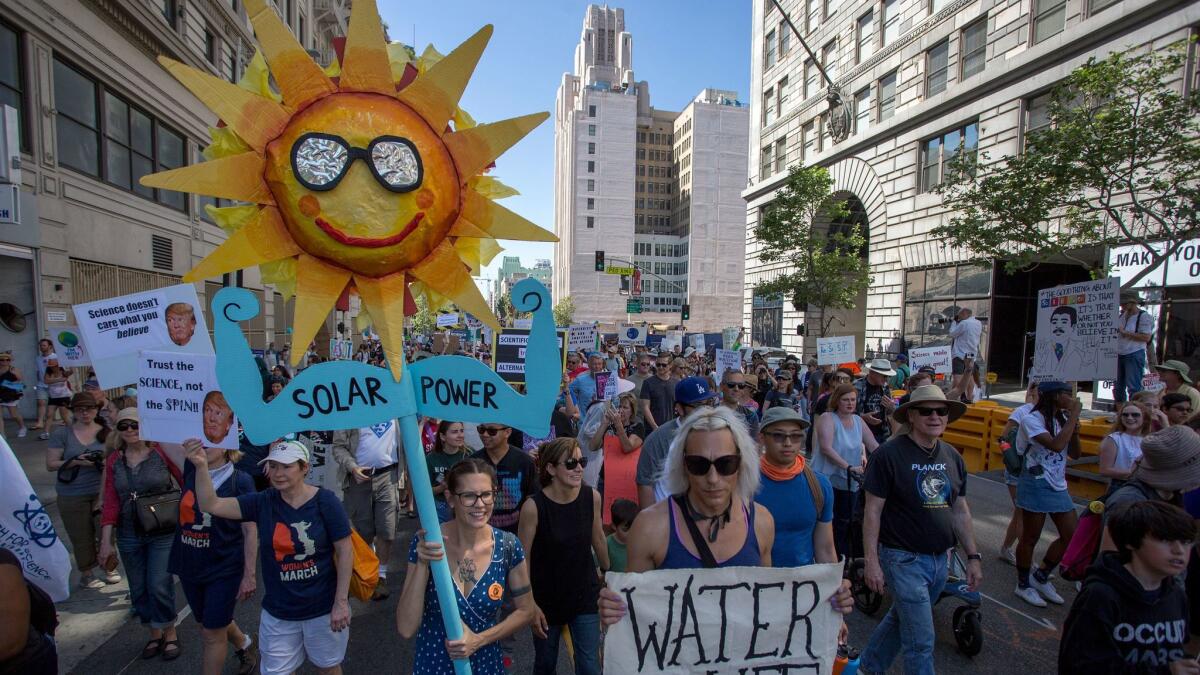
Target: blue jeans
(151, 587)
(915, 581)
(585, 636)
(1130, 368)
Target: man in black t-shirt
(658, 395)
(516, 475)
(875, 402)
(916, 510)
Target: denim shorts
(1010, 479)
(1036, 496)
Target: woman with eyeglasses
(844, 442)
(1046, 437)
(561, 530)
(1122, 447)
(486, 564)
(711, 520)
(134, 468)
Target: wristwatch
(974, 556)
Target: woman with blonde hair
(843, 443)
(1121, 449)
(622, 443)
(215, 559)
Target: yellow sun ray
(255, 119)
(262, 240)
(237, 177)
(318, 286)
(387, 316)
(299, 78)
(365, 64)
(473, 149)
(477, 253)
(445, 273)
(499, 222)
(463, 228)
(435, 94)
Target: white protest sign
(115, 330)
(581, 337)
(671, 340)
(727, 359)
(698, 342)
(834, 350)
(725, 620)
(27, 530)
(630, 334)
(1077, 332)
(937, 358)
(68, 344)
(341, 349)
(729, 336)
(447, 320)
(179, 398)
(320, 449)
(473, 323)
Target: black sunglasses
(320, 161)
(570, 464)
(126, 426)
(490, 431)
(700, 466)
(926, 412)
(737, 385)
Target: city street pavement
(97, 636)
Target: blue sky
(679, 47)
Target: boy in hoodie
(1132, 614)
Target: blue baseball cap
(1053, 387)
(693, 390)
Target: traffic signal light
(599, 261)
(685, 312)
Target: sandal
(169, 654)
(152, 648)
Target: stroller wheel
(968, 630)
(866, 600)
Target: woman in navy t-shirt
(307, 560)
(215, 559)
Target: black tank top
(561, 568)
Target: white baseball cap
(287, 452)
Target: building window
(781, 154)
(831, 6)
(167, 7)
(766, 320)
(591, 204)
(1037, 115)
(210, 47)
(768, 103)
(769, 46)
(591, 166)
(937, 62)
(939, 152)
(932, 297)
(785, 40)
(1095, 6)
(866, 37)
(936, 6)
(591, 222)
(1049, 18)
(11, 78)
(766, 164)
(591, 111)
(301, 35)
(812, 15)
(974, 48)
(781, 95)
(891, 21)
(862, 110)
(887, 96)
(78, 122)
(591, 130)
(829, 59)
(591, 185)
(591, 148)
(810, 79)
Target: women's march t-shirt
(296, 548)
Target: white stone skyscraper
(654, 189)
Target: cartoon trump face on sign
(181, 322)
(218, 417)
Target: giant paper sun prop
(411, 211)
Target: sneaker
(1008, 555)
(110, 577)
(1029, 595)
(44, 436)
(91, 582)
(22, 433)
(1045, 589)
(247, 658)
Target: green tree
(826, 269)
(505, 311)
(564, 312)
(424, 322)
(1118, 164)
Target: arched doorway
(853, 216)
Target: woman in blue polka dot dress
(485, 563)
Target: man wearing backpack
(799, 499)
(1135, 328)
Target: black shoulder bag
(154, 513)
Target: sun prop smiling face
(358, 179)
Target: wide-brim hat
(83, 400)
(881, 367)
(781, 413)
(1177, 366)
(929, 393)
(1170, 460)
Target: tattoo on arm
(519, 591)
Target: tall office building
(654, 189)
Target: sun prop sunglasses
(320, 161)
